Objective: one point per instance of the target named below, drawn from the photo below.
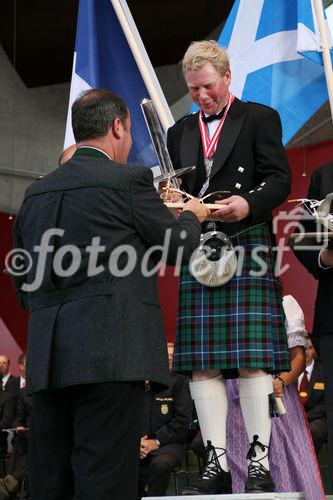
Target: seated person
(314, 398)
(165, 426)
(5, 374)
(14, 384)
(17, 467)
(7, 415)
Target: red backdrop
(296, 280)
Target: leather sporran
(214, 263)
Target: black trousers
(326, 357)
(155, 473)
(18, 466)
(318, 429)
(84, 442)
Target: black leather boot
(213, 480)
(259, 479)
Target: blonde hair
(206, 51)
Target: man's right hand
(198, 208)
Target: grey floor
(190, 471)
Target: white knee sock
(210, 398)
(253, 396)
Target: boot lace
(256, 469)
(211, 465)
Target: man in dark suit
(7, 409)
(237, 147)
(94, 232)
(166, 418)
(5, 373)
(314, 397)
(319, 262)
(15, 384)
(16, 471)
(9, 385)
(7, 414)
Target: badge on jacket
(164, 409)
(319, 386)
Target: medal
(208, 165)
(209, 145)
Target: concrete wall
(32, 132)
(33, 127)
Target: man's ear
(228, 76)
(117, 128)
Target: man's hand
(199, 209)
(234, 209)
(147, 446)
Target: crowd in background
(170, 424)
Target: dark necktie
(211, 118)
(304, 388)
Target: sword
(157, 138)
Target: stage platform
(240, 496)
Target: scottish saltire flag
(103, 59)
(274, 50)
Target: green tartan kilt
(239, 324)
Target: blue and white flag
(274, 49)
(103, 59)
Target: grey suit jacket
(106, 327)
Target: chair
(180, 475)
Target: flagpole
(140, 55)
(323, 30)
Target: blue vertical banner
(103, 59)
(275, 55)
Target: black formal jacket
(315, 407)
(167, 417)
(249, 161)
(13, 385)
(321, 184)
(108, 326)
(7, 409)
(24, 408)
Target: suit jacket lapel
(313, 377)
(189, 150)
(230, 131)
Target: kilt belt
(239, 324)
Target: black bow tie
(211, 118)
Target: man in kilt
(236, 329)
